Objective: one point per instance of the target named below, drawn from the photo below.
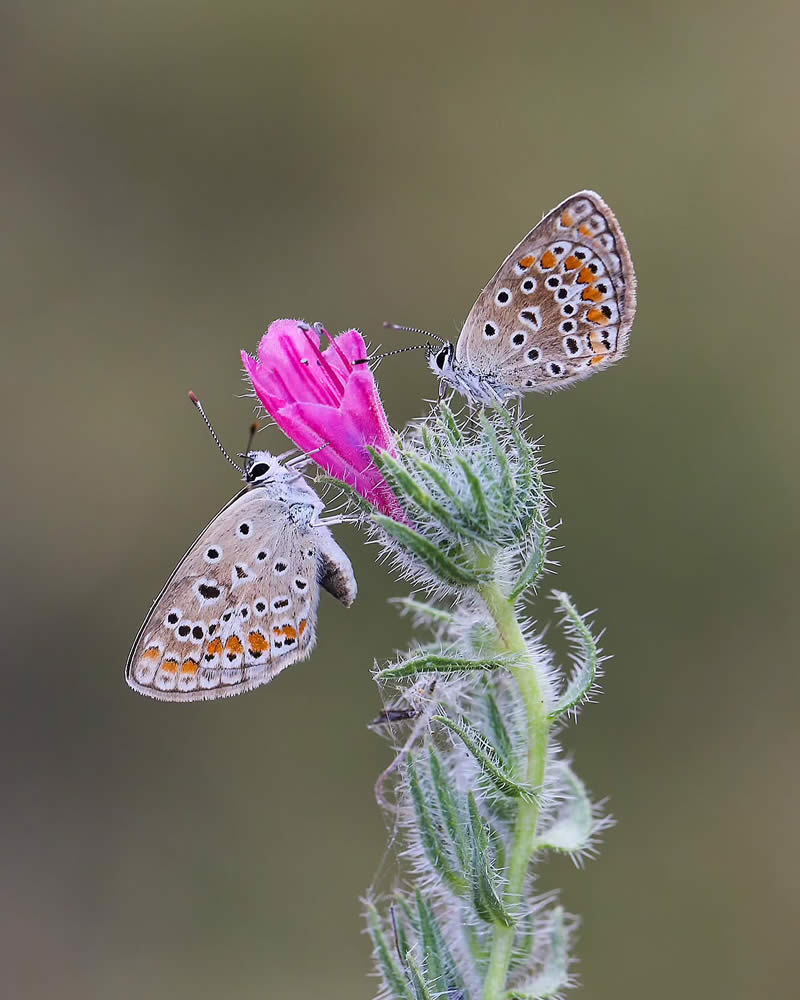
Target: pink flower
(321, 398)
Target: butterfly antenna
(415, 329)
(254, 429)
(387, 354)
(219, 444)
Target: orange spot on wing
(258, 642)
(189, 666)
(597, 316)
(151, 653)
(233, 645)
(592, 294)
(585, 276)
(169, 666)
(215, 647)
(585, 229)
(287, 631)
(302, 625)
(598, 359)
(548, 259)
(526, 261)
(567, 218)
(571, 263)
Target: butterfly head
(441, 359)
(480, 388)
(262, 467)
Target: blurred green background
(174, 176)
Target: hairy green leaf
(448, 807)
(384, 952)
(553, 976)
(481, 514)
(571, 829)
(534, 565)
(502, 740)
(410, 489)
(489, 759)
(418, 981)
(442, 970)
(486, 896)
(500, 456)
(587, 658)
(432, 843)
(452, 568)
(435, 664)
(450, 425)
(428, 613)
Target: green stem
(524, 840)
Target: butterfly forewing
(241, 605)
(561, 305)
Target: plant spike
(482, 792)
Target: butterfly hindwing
(560, 306)
(242, 604)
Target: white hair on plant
(481, 788)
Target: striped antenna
(415, 329)
(219, 444)
(387, 354)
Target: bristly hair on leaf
(479, 792)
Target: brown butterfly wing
(240, 607)
(560, 307)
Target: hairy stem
(524, 838)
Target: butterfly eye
(441, 358)
(259, 470)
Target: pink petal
(321, 398)
(344, 349)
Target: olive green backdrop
(174, 176)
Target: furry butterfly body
(242, 603)
(559, 308)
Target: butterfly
(242, 603)
(559, 308)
